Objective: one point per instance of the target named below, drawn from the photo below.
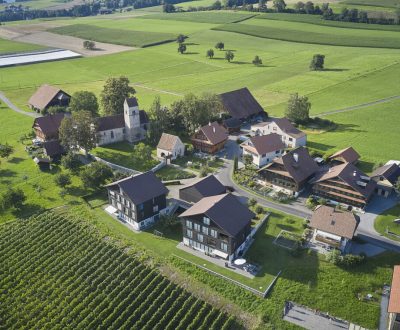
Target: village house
(170, 147)
(263, 148)
(347, 155)
(394, 301)
(241, 104)
(333, 227)
(139, 200)
(291, 136)
(344, 184)
(386, 177)
(291, 172)
(218, 226)
(47, 96)
(210, 138)
(46, 128)
(205, 187)
(54, 150)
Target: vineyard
(56, 273)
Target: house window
(290, 139)
(200, 238)
(189, 224)
(214, 233)
(155, 208)
(277, 152)
(112, 134)
(206, 221)
(224, 247)
(189, 233)
(205, 230)
(197, 227)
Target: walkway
(13, 107)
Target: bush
(252, 202)
(13, 198)
(310, 203)
(70, 161)
(62, 180)
(259, 209)
(322, 201)
(95, 175)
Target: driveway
(13, 107)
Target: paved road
(360, 106)
(13, 107)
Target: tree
(84, 101)
(220, 45)
(309, 7)
(160, 121)
(298, 108)
(114, 93)
(168, 8)
(252, 202)
(210, 53)
(13, 198)
(6, 150)
(88, 44)
(262, 5)
(95, 175)
(53, 110)
(216, 5)
(247, 159)
(229, 55)
(70, 161)
(317, 62)
(257, 60)
(142, 152)
(181, 48)
(181, 38)
(279, 5)
(62, 180)
(78, 131)
(235, 164)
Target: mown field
(204, 17)
(382, 3)
(59, 274)
(115, 36)
(9, 47)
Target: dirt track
(37, 34)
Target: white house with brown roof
(291, 136)
(47, 96)
(263, 148)
(170, 146)
(333, 227)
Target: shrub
(333, 257)
(259, 209)
(62, 180)
(322, 201)
(70, 161)
(252, 202)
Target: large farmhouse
(291, 136)
(291, 172)
(139, 200)
(210, 138)
(344, 184)
(47, 96)
(218, 225)
(46, 128)
(206, 187)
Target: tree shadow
(239, 62)
(191, 44)
(7, 173)
(28, 210)
(365, 166)
(319, 146)
(16, 160)
(348, 128)
(191, 53)
(76, 191)
(335, 70)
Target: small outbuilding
(347, 155)
(170, 147)
(47, 96)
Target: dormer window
(206, 221)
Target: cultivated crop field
(203, 17)
(59, 274)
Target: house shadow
(319, 146)
(365, 166)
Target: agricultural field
(381, 3)
(60, 273)
(10, 47)
(115, 36)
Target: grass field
(221, 17)
(385, 222)
(59, 273)
(382, 3)
(305, 33)
(317, 20)
(9, 47)
(115, 36)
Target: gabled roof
(43, 96)
(225, 210)
(53, 148)
(214, 133)
(168, 141)
(390, 172)
(131, 102)
(240, 103)
(394, 298)
(110, 122)
(208, 186)
(50, 124)
(286, 126)
(141, 188)
(348, 154)
(330, 220)
(263, 144)
(350, 175)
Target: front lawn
(172, 173)
(384, 223)
(194, 163)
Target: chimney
(354, 173)
(213, 129)
(296, 157)
(209, 123)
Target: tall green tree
(62, 180)
(181, 48)
(257, 60)
(220, 45)
(298, 108)
(95, 175)
(317, 62)
(13, 198)
(210, 53)
(78, 131)
(279, 5)
(262, 5)
(181, 38)
(114, 93)
(160, 121)
(6, 150)
(229, 55)
(84, 101)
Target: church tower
(131, 118)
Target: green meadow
(9, 47)
(381, 3)
(204, 17)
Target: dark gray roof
(226, 211)
(110, 122)
(144, 118)
(232, 122)
(241, 103)
(49, 124)
(141, 188)
(132, 102)
(53, 148)
(209, 186)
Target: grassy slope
(115, 36)
(385, 222)
(9, 46)
(317, 20)
(203, 17)
(306, 33)
(382, 3)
